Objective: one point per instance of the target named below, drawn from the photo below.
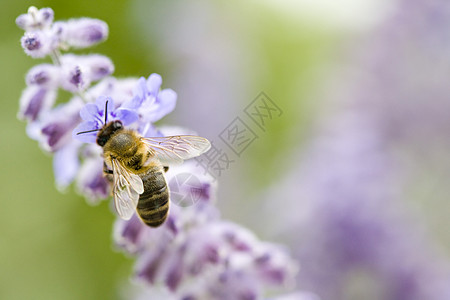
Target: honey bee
(137, 165)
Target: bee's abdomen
(153, 204)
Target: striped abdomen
(153, 204)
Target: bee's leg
(166, 168)
(106, 171)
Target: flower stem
(56, 57)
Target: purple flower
(195, 254)
(44, 75)
(42, 37)
(37, 44)
(85, 32)
(53, 130)
(34, 101)
(93, 115)
(99, 66)
(151, 103)
(120, 89)
(35, 19)
(66, 164)
(90, 180)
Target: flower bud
(91, 182)
(57, 127)
(99, 66)
(44, 75)
(37, 44)
(34, 101)
(35, 19)
(85, 32)
(74, 78)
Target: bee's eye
(117, 125)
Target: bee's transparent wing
(174, 149)
(126, 190)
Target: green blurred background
(54, 245)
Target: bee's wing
(174, 149)
(126, 190)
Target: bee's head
(107, 131)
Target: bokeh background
(353, 177)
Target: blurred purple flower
(35, 100)
(90, 180)
(77, 72)
(355, 234)
(37, 44)
(42, 37)
(85, 32)
(195, 254)
(35, 19)
(44, 75)
(407, 62)
(53, 130)
(350, 231)
(66, 164)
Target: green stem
(56, 57)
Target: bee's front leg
(107, 171)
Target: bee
(137, 165)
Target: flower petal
(89, 112)
(127, 116)
(90, 137)
(154, 82)
(166, 102)
(140, 90)
(66, 164)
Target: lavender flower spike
(93, 116)
(195, 255)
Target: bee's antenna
(88, 131)
(106, 110)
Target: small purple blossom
(85, 32)
(93, 115)
(54, 130)
(35, 19)
(34, 101)
(152, 103)
(99, 66)
(43, 37)
(45, 75)
(37, 44)
(91, 181)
